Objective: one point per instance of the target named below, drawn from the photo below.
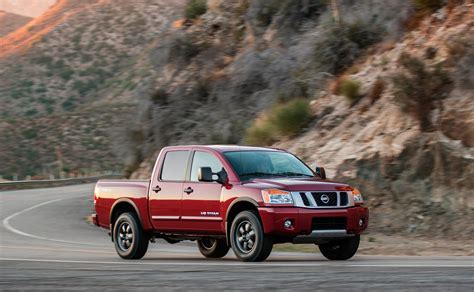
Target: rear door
(201, 200)
(166, 190)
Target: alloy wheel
(125, 236)
(245, 236)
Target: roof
(227, 148)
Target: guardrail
(30, 184)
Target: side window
(204, 159)
(174, 166)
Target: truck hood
(295, 184)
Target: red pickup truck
(246, 198)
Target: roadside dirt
(378, 244)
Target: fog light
(288, 224)
(361, 222)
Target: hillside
(417, 180)
(73, 59)
(380, 93)
(10, 22)
(401, 127)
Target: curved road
(46, 244)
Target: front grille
(321, 199)
(344, 199)
(329, 223)
(325, 199)
(305, 199)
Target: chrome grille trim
(298, 201)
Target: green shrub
(183, 48)
(31, 112)
(30, 133)
(68, 105)
(26, 83)
(418, 88)
(260, 135)
(160, 97)
(350, 89)
(289, 118)
(339, 45)
(195, 8)
(266, 11)
(428, 4)
(66, 74)
(283, 120)
(43, 60)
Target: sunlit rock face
(31, 8)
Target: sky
(31, 8)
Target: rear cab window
(175, 165)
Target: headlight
(276, 196)
(357, 196)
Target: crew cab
(239, 197)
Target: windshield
(255, 164)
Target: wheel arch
(121, 206)
(237, 206)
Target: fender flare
(236, 201)
(122, 200)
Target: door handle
(156, 189)
(188, 190)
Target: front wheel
(249, 242)
(212, 248)
(340, 250)
(129, 239)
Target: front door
(201, 200)
(166, 190)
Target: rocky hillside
(389, 92)
(10, 22)
(75, 59)
(379, 92)
(417, 178)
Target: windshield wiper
(289, 173)
(262, 174)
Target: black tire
(249, 246)
(340, 250)
(213, 248)
(129, 239)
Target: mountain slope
(408, 145)
(416, 180)
(74, 60)
(10, 22)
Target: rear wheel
(249, 243)
(129, 239)
(212, 248)
(340, 250)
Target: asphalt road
(46, 244)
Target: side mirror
(223, 178)
(205, 174)
(321, 172)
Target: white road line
(226, 263)
(8, 226)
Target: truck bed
(111, 191)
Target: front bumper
(94, 219)
(302, 222)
